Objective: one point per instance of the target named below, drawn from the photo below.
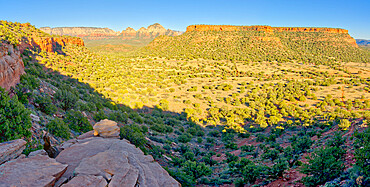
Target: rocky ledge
(90, 160)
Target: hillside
(260, 43)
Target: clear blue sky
(117, 15)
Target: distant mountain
(363, 42)
(96, 33)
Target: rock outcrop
(94, 33)
(39, 170)
(90, 161)
(11, 150)
(262, 28)
(106, 129)
(117, 161)
(11, 66)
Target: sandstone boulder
(38, 170)
(12, 149)
(106, 128)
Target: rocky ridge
(89, 160)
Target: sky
(352, 15)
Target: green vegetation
(15, 119)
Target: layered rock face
(11, 66)
(262, 28)
(80, 31)
(94, 33)
(86, 161)
(51, 44)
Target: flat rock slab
(87, 181)
(39, 170)
(117, 161)
(12, 149)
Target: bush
(161, 128)
(77, 121)
(246, 169)
(133, 134)
(46, 104)
(66, 100)
(184, 138)
(15, 119)
(344, 124)
(323, 165)
(118, 116)
(196, 169)
(58, 128)
(100, 115)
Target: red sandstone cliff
(11, 66)
(50, 44)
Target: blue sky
(117, 15)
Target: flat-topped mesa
(262, 28)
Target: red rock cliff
(261, 28)
(50, 44)
(11, 66)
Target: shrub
(15, 119)
(46, 104)
(184, 138)
(196, 169)
(66, 99)
(100, 115)
(323, 165)
(133, 134)
(344, 124)
(118, 116)
(58, 128)
(77, 121)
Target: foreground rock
(106, 128)
(87, 181)
(117, 161)
(12, 149)
(39, 170)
